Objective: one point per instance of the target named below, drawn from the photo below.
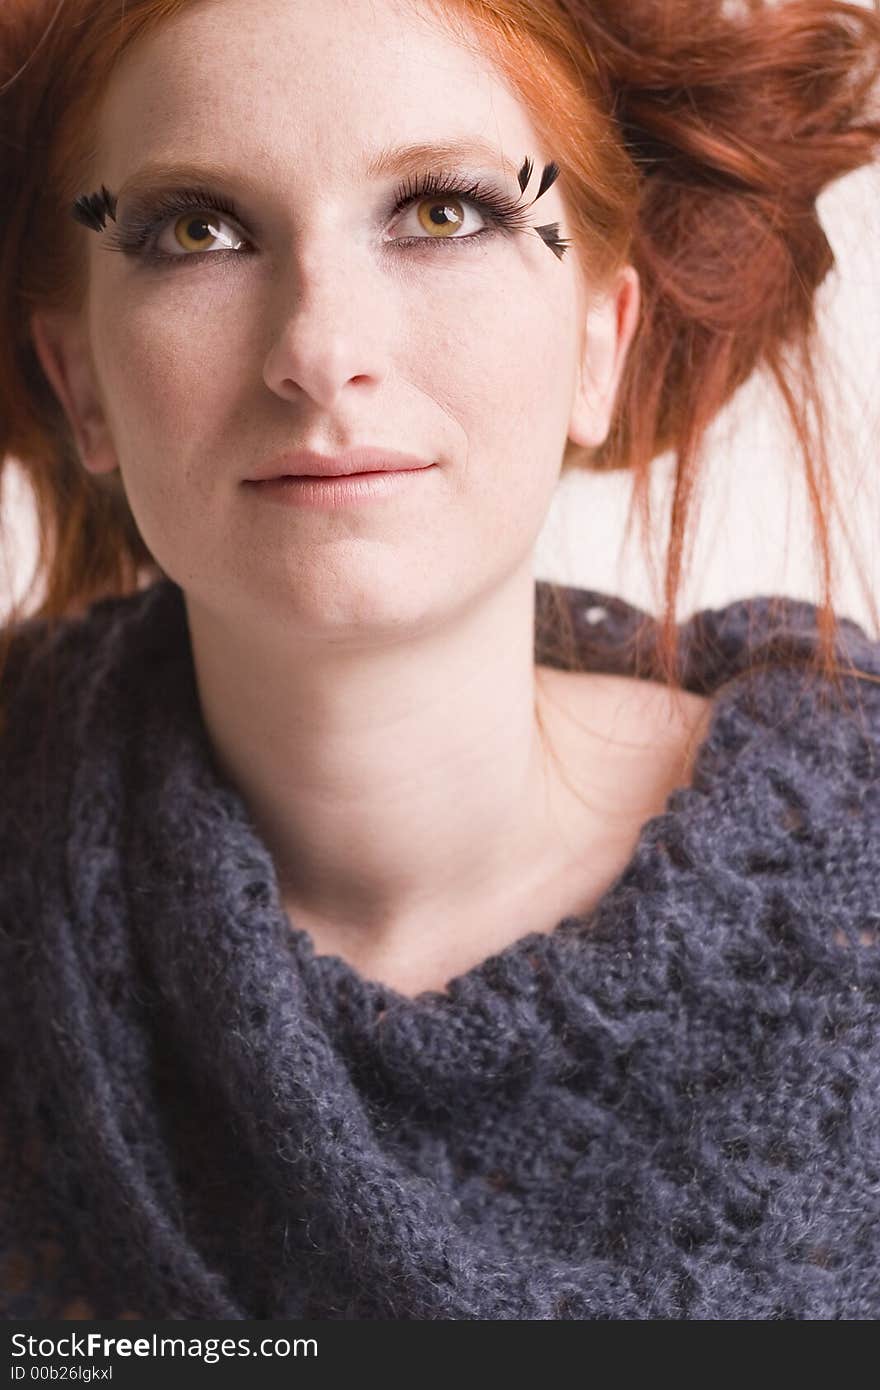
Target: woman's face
(324, 330)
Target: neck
(403, 782)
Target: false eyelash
(504, 214)
(135, 240)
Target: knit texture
(669, 1108)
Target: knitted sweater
(669, 1108)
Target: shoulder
(652, 731)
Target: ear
(61, 344)
(611, 320)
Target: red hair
(694, 138)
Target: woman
(385, 935)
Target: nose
(331, 327)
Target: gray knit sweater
(667, 1109)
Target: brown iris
(442, 215)
(196, 230)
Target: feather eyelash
(549, 233)
(93, 209)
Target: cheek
(165, 367)
(505, 372)
(530, 351)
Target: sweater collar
(209, 919)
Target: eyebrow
(395, 159)
(410, 159)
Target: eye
(195, 231)
(441, 217)
(442, 204)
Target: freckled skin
(366, 673)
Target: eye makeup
(137, 235)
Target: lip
(308, 463)
(339, 492)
